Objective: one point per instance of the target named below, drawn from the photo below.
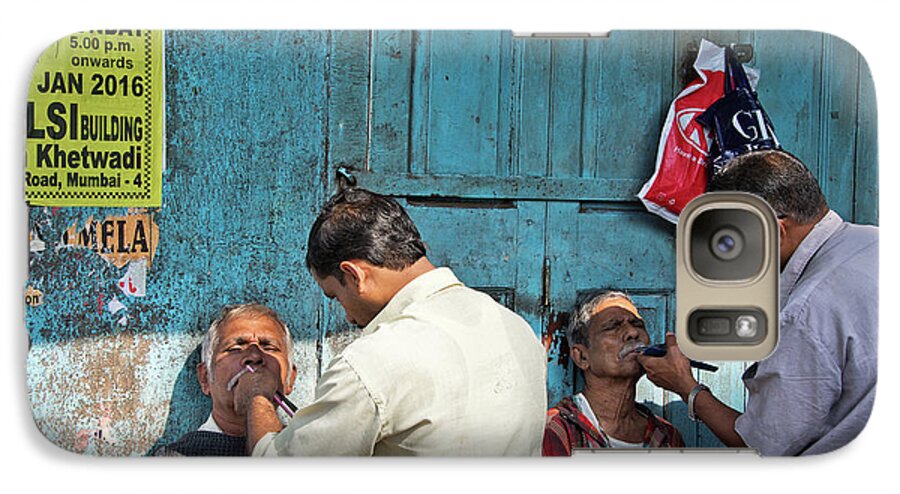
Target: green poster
(95, 121)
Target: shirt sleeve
(792, 391)
(344, 420)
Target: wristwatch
(693, 396)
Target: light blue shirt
(815, 392)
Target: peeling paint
(554, 337)
(84, 437)
(81, 394)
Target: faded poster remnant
(35, 244)
(100, 432)
(114, 305)
(118, 239)
(134, 283)
(33, 297)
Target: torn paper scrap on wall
(35, 244)
(134, 283)
(33, 297)
(118, 239)
(114, 305)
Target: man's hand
(261, 383)
(253, 400)
(672, 372)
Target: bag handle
(729, 83)
(735, 76)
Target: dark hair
(777, 177)
(358, 224)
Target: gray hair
(577, 332)
(230, 313)
(778, 177)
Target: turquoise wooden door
(518, 158)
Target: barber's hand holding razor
(671, 372)
(260, 377)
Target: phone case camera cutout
(727, 277)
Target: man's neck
(610, 398)
(794, 235)
(229, 423)
(394, 281)
(612, 401)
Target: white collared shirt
(442, 370)
(211, 426)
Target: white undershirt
(211, 426)
(585, 408)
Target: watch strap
(692, 397)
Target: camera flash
(745, 326)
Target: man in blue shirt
(815, 392)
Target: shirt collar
(584, 407)
(211, 426)
(421, 287)
(824, 229)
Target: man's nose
(253, 356)
(632, 332)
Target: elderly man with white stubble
(244, 338)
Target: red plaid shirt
(567, 428)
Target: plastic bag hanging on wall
(684, 146)
(738, 122)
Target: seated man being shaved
(243, 337)
(604, 414)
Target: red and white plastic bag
(684, 145)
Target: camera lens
(726, 244)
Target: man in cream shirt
(440, 370)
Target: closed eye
(612, 325)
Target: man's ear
(203, 378)
(785, 248)
(354, 275)
(292, 376)
(579, 355)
